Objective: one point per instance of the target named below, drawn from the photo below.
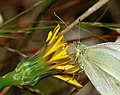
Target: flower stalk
(52, 60)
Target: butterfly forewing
(102, 65)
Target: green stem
(8, 80)
(3, 83)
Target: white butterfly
(102, 66)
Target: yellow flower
(53, 60)
(56, 53)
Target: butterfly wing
(103, 82)
(106, 56)
(110, 45)
(102, 66)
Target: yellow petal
(57, 28)
(57, 41)
(68, 79)
(60, 55)
(55, 46)
(64, 67)
(62, 52)
(68, 69)
(49, 36)
(72, 70)
(59, 58)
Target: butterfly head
(79, 46)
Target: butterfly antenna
(79, 31)
(61, 20)
(72, 32)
